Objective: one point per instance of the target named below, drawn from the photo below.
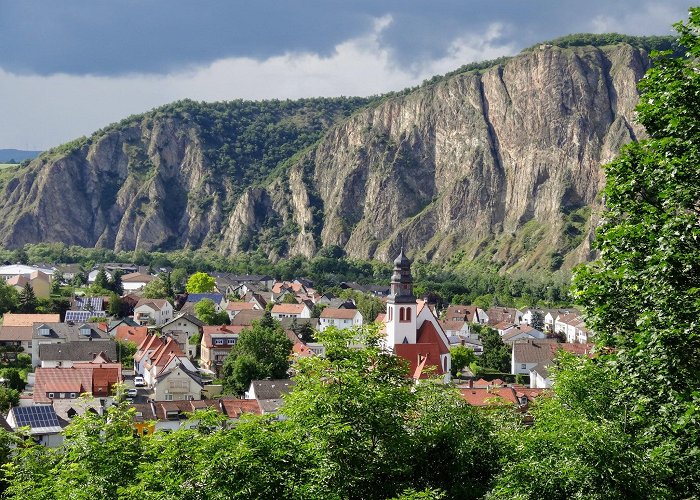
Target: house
(340, 318)
(216, 343)
(518, 397)
(11, 270)
(133, 334)
(504, 315)
(572, 327)
(526, 355)
(280, 311)
(136, 281)
(246, 317)
(176, 380)
(153, 353)
(411, 329)
(17, 329)
(470, 314)
(194, 298)
(92, 275)
(43, 423)
(269, 393)
(95, 378)
(551, 315)
(153, 312)
(539, 377)
(38, 280)
(59, 333)
(521, 332)
(185, 323)
(66, 354)
(234, 307)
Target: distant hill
(17, 155)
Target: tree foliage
(205, 310)
(262, 351)
(200, 283)
(156, 289)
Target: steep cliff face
(501, 165)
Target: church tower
(401, 306)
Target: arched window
(391, 313)
(402, 314)
(408, 314)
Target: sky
(70, 67)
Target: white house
(340, 318)
(177, 380)
(155, 312)
(135, 281)
(280, 311)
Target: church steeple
(401, 305)
(402, 281)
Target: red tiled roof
(288, 308)
(135, 334)
(234, 408)
(98, 379)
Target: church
(412, 330)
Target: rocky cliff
(501, 164)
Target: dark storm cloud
(160, 36)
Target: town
(166, 358)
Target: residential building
(217, 342)
(65, 354)
(280, 311)
(504, 315)
(340, 318)
(59, 333)
(44, 425)
(269, 393)
(155, 312)
(95, 378)
(470, 314)
(136, 281)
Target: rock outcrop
(502, 164)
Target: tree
(27, 300)
(115, 305)
(56, 282)
(9, 298)
(537, 321)
(12, 379)
(262, 351)
(289, 298)
(200, 283)
(125, 353)
(156, 289)
(205, 310)
(8, 398)
(101, 280)
(642, 296)
(461, 356)
(496, 354)
(115, 284)
(178, 278)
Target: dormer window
(218, 341)
(44, 331)
(85, 331)
(231, 341)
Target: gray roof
(77, 351)
(271, 389)
(67, 331)
(535, 351)
(188, 317)
(270, 405)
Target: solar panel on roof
(89, 303)
(36, 416)
(83, 316)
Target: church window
(402, 314)
(408, 314)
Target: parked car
(132, 393)
(139, 382)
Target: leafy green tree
(200, 283)
(12, 378)
(56, 282)
(178, 278)
(461, 356)
(156, 289)
(101, 279)
(289, 298)
(641, 296)
(9, 298)
(262, 351)
(205, 310)
(125, 353)
(8, 398)
(115, 305)
(115, 284)
(27, 300)
(496, 354)
(537, 321)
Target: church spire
(402, 281)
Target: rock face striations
(501, 164)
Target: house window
(62, 395)
(523, 366)
(231, 341)
(72, 395)
(218, 341)
(168, 397)
(50, 395)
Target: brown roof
(208, 331)
(246, 317)
(18, 280)
(234, 408)
(330, 312)
(16, 333)
(11, 319)
(85, 377)
(500, 314)
(137, 278)
(157, 304)
(239, 306)
(461, 313)
(288, 308)
(498, 395)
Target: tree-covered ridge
(648, 43)
(243, 140)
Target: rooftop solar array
(89, 303)
(83, 316)
(37, 417)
